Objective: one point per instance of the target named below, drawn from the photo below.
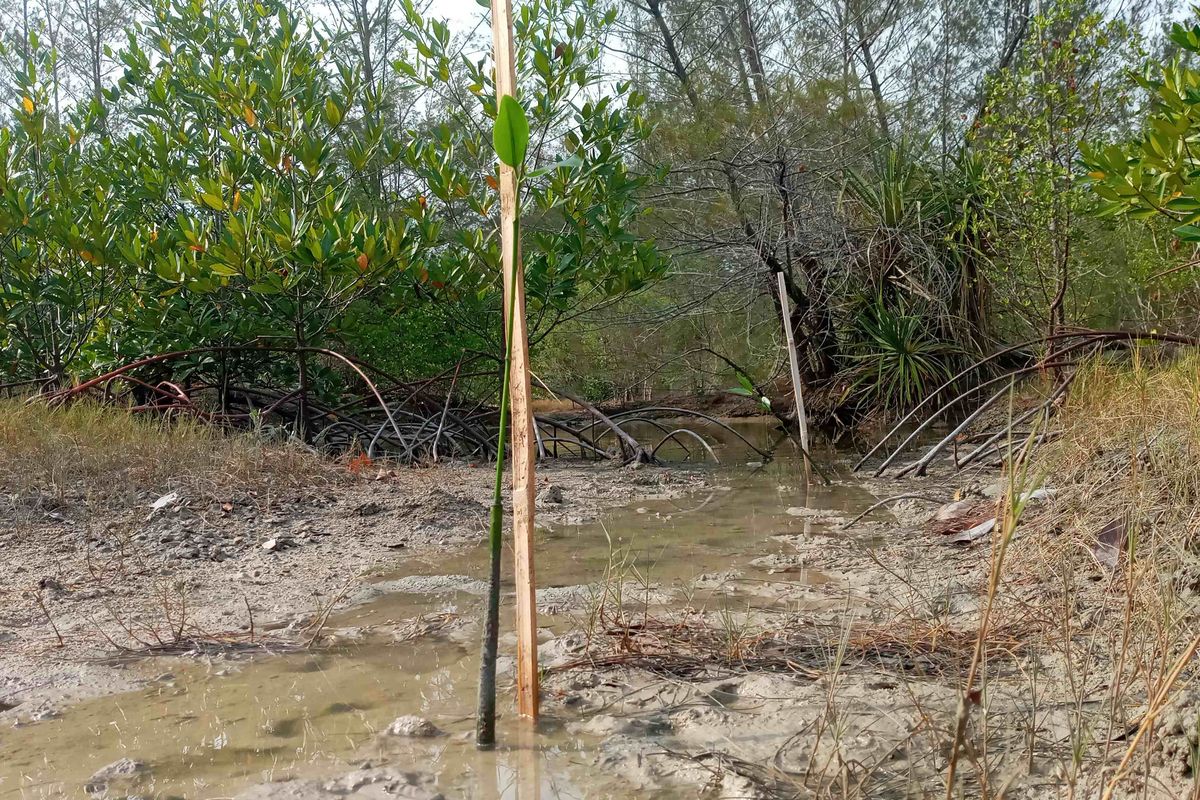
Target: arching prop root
(386, 417)
(1062, 354)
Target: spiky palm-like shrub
(897, 361)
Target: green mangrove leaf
(510, 136)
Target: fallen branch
(885, 501)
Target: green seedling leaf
(742, 391)
(1188, 233)
(510, 136)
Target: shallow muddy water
(209, 729)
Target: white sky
(461, 14)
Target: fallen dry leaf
(1110, 541)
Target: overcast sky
(461, 14)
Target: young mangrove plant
(510, 138)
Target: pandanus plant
(510, 137)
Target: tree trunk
(864, 46)
(25, 32)
(1058, 306)
(813, 331)
(363, 24)
(677, 66)
(735, 54)
(303, 379)
(97, 48)
(1012, 47)
(750, 42)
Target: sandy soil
(171, 579)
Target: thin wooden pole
(519, 388)
(794, 362)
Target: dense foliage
(240, 181)
(912, 171)
(932, 182)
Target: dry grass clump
(93, 457)
(690, 644)
(1128, 467)
(1117, 553)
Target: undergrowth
(1118, 556)
(91, 457)
(1128, 466)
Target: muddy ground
(173, 574)
(845, 686)
(851, 688)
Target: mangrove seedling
(510, 137)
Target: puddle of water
(673, 542)
(218, 727)
(206, 734)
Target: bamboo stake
(519, 388)
(794, 363)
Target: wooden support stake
(794, 361)
(519, 389)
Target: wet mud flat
(853, 680)
(748, 638)
(84, 596)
